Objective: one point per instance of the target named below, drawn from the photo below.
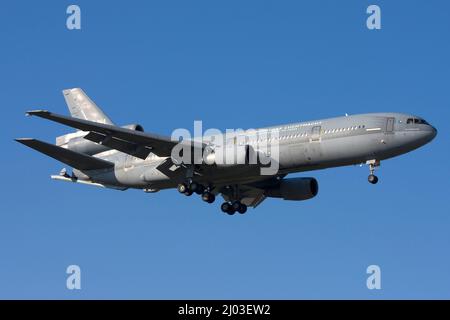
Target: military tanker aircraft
(105, 155)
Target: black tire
(373, 179)
(208, 197)
(225, 207)
(182, 188)
(212, 198)
(193, 186)
(236, 205)
(242, 209)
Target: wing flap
(74, 159)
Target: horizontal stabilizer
(74, 159)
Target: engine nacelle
(294, 189)
(75, 141)
(135, 127)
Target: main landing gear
(233, 207)
(230, 207)
(208, 197)
(190, 187)
(373, 179)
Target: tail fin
(80, 106)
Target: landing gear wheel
(373, 179)
(208, 197)
(227, 208)
(182, 188)
(236, 205)
(193, 186)
(242, 209)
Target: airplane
(105, 155)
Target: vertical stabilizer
(82, 107)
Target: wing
(74, 159)
(129, 141)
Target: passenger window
(409, 121)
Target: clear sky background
(232, 64)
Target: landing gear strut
(373, 179)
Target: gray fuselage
(303, 146)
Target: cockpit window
(416, 121)
(420, 121)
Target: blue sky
(232, 64)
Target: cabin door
(315, 134)
(390, 125)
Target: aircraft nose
(434, 130)
(432, 133)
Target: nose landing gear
(373, 179)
